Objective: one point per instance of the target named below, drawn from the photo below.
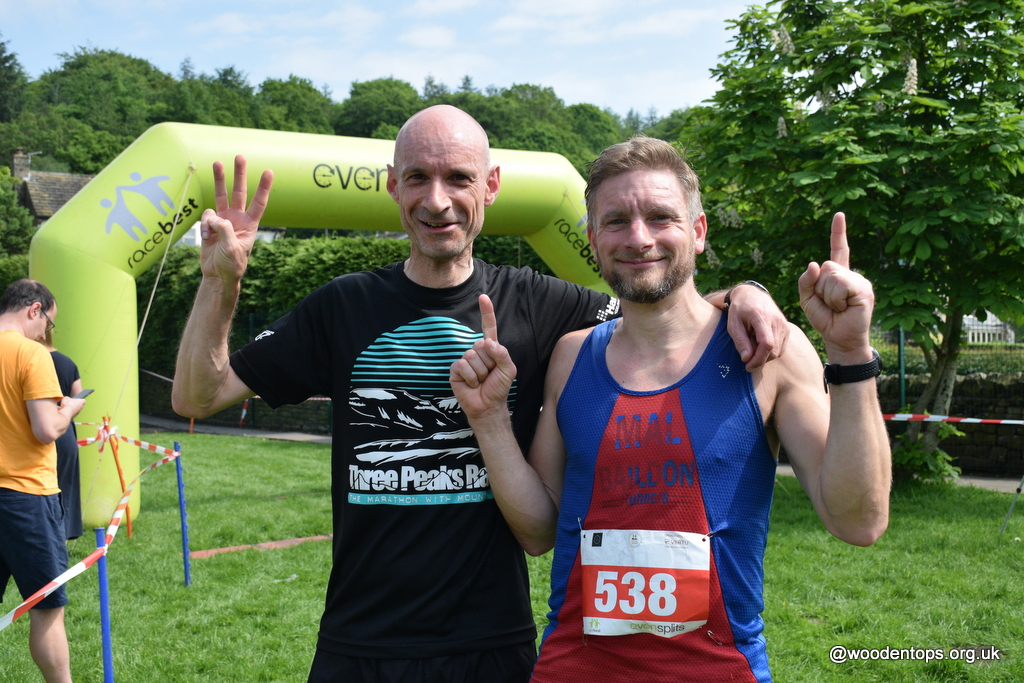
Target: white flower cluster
(783, 131)
(785, 41)
(756, 256)
(826, 97)
(782, 41)
(730, 218)
(712, 257)
(910, 82)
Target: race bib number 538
(642, 581)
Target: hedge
(280, 273)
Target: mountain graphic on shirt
(401, 406)
(412, 427)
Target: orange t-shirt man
(26, 374)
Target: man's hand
(838, 302)
(230, 231)
(482, 378)
(71, 406)
(757, 326)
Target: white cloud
(434, 7)
(429, 37)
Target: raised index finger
(487, 318)
(840, 247)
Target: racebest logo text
(122, 216)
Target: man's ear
(700, 233)
(392, 183)
(493, 185)
(590, 238)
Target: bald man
(428, 582)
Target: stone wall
(991, 450)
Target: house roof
(46, 192)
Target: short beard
(643, 291)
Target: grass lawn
(940, 578)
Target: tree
(62, 138)
(598, 128)
(12, 84)
(547, 137)
(537, 102)
(232, 98)
(294, 105)
(905, 115)
(433, 89)
(668, 128)
(371, 103)
(106, 90)
(16, 229)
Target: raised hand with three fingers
(230, 231)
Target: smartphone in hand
(83, 393)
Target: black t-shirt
(68, 477)
(424, 563)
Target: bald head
(442, 180)
(440, 126)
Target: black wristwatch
(752, 283)
(847, 374)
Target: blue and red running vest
(692, 457)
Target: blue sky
(636, 54)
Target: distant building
(992, 330)
(44, 192)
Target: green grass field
(940, 578)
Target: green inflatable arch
(119, 225)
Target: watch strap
(847, 374)
(752, 283)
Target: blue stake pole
(184, 516)
(108, 650)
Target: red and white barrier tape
(103, 434)
(115, 523)
(910, 417)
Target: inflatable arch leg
(117, 227)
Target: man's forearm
(716, 298)
(854, 478)
(50, 419)
(202, 367)
(519, 491)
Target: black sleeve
(569, 307)
(291, 360)
(67, 371)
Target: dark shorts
(503, 665)
(32, 546)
